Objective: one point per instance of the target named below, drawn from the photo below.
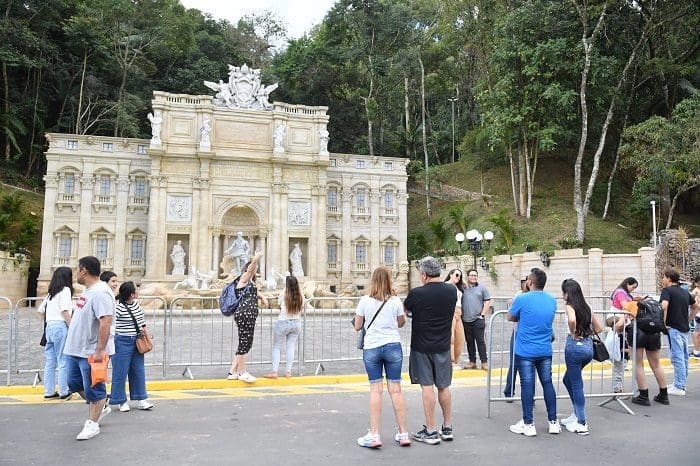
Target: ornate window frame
(361, 212)
(106, 262)
(334, 211)
(63, 198)
(335, 267)
(388, 214)
(137, 201)
(389, 242)
(360, 268)
(135, 265)
(65, 232)
(100, 199)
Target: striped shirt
(125, 324)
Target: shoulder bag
(600, 352)
(43, 304)
(363, 331)
(144, 340)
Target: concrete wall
(598, 273)
(13, 276)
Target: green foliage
(506, 230)
(18, 228)
(417, 246)
(570, 242)
(441, 233)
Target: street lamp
(653, 220)
(459, 237)
(478, 243)
(452, 100)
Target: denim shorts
(80, 378)
(388, 357)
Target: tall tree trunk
(407, 115)
(31, 153)
(534, 153)
(683, 189)
(522, 186)
(513, 180)
(425, 143)
(6, 95)
(80, 97)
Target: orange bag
(98, 370)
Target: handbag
(42, 309)
(363, 331)
(600, 352)
(144, 339)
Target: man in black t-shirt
(675, 302)
(432, 307)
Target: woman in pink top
(619, 297)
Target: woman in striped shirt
(127, 360)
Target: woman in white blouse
(288, 325)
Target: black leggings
(245, 320)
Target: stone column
(195, 257)
(374, 257)
(120, 246)
(346, 248)
(402, 206)
(204, 246)
(87, 184)
(47, 253)
(216, 254)
(283, 248)
(318, 250)
(595, 273)
(155, 244)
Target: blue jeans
(56, 332)
(80, 379)
(127, 361)
(388, 357)
(577, 354)
(678, 345)
(526, 368)
(509, 391)
(288, 330)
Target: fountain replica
(220, 177)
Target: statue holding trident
(239, 251)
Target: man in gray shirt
(90, 337)
(476, 301)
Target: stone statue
(263, 95)
(323, 142)
(205, 141)
(223, 96)
(156, 121)
(243, 89)
(280, 131)
(295, 260)
(177, 256)
(239, 251)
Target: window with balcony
(140, 187)
(69, 184)
(389, 254)
(101, 248)
(361, 256)
(65, 245)
(332, 256)
(360, 204)
(137, 249)
(66, 195)
(105, 186)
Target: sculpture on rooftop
(243, 89)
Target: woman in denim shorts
(382, 354)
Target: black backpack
(650, 316)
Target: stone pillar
(216, 254)
(195, 256)
(375, 199)
(595, 273)
(283, 259)
(402, 205)
(317, 251)
(155, 244)
(346, 239)
(204, 246)
(47, 253)
(120, 246)
(647, 276)
(87, 184)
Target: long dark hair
(460, 284)
(107, 275)
(126, 289)
(624, 284)
(574, 298)
(62, 278)
(293, 300)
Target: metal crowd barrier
(598, 381)
(6, 338)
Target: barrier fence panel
(27, 329)
(598, 377)
(155, 310)
(6, 311)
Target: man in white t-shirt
(90, 335)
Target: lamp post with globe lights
(478, 242)
(459, 237)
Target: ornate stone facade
(210, 171)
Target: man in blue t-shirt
(534, 312)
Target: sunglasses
(458, 275)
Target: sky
(298, 15)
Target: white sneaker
(370, 440)
(105, 411)
(554, 427)
(576, 428)
(403, 439)
(246, 377)
(231, 376)
(528, 430)
(90, 429)
(124, 407)
(569, 419)
(144, 404)
(673, 390)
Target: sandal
(271, 375)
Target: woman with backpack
(288, 325)
(578, 351)
(381, 314)
(245, 316)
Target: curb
(217, 384)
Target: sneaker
(570, 420)
(446, 433)
(66, 397)
(641, 400)
(52, 396)
(144, 405)
(105, 411)
(577, 428)
(554, 427)
(696, 354)
(673, 390)
(662, 399)
(423, 436)
(403, 439)
(89, 430)
(246, 377)
(124, 407)
(370, 440)
(528, 430)
(231, 376)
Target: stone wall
(14, 271)
(679, 251)
(598, 273)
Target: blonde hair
(380, 283)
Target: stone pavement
(313, 421)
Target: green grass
(32, 202)
(553, 217)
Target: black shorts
(430, 368)
(648, 341)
